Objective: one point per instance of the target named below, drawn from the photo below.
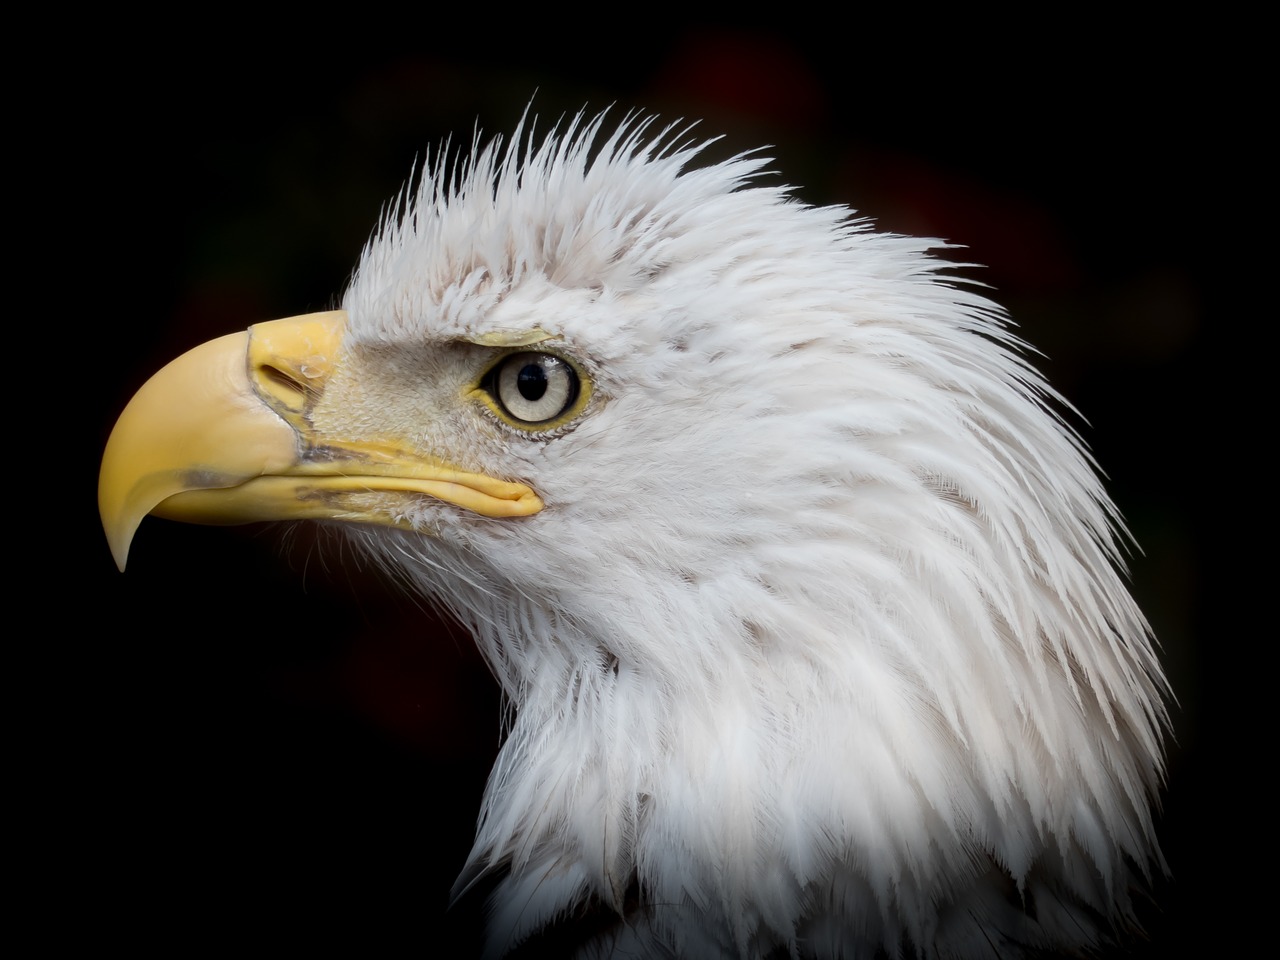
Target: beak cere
(223, 435)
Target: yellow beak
(223, 435)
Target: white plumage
(817, 646)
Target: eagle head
(805, 598)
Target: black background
(244, 740)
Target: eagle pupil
(532, 381)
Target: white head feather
(819, 644)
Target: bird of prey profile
(806, 601)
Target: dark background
(244, 740)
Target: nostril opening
(276, 375)
(283, 386)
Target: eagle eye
(533, 389)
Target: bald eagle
(806, 600)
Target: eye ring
(532, 389)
